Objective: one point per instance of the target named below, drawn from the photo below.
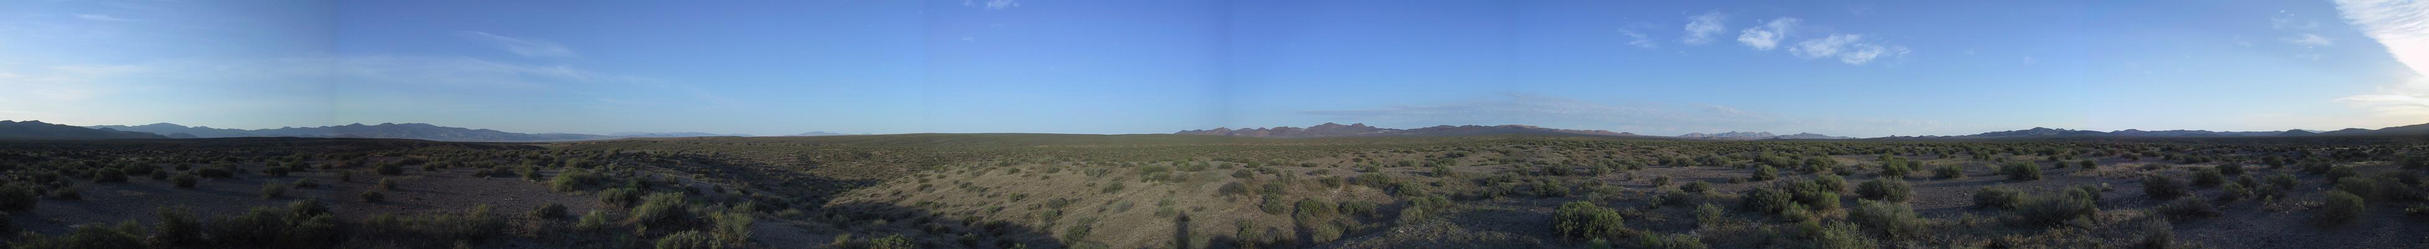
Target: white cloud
(101, 17)
(2401, 26)
(1768, 35)
(1701, 28)
(519, 46)
(992, 4)
(2310, 40)
(1638, 39)
(1848, 48)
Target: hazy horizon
(1125, 67)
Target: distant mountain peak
(38, 130)
(1331, 129)
(1741, 135)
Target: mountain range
(385, 130)
(37, 130)
(1361, 129)
(1740, 135)
(2044, 132)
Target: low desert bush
(2208, 177)
(1948, 172)
(2341, 208)
(2188, 209)
(185, 181)
(1885, 189)
(18, 197)
(1997, 198)
(2160, 187)
(2020, 171)
(1585, 220)
(1888, 219)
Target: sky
(1850, 68)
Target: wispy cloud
(1638, 39)
(2403, 28)
(992, 4)
(1852, 49)
(1644, 118)
(520, 46)
(1701, 28)
(1768, 35)
(2310, 40)
(101, 17)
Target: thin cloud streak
(520, 46)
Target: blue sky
(1869, 68)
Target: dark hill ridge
(1740, 135)
(385, 130)
(2044, 132)
(1361, 129)
(37, 130)
(420, 131)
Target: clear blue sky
(1868, 68)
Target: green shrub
(1831, 183)
(1889, 219)
(594, 221)
(1764, 173)
(2019, 171)
(69, 193)
(1836, 236)
(1273, 204)
(273, 190)
(1895, 170)
(177, 228)
(660, 209)
(385, 184)
(2054, 210)
(552, 211)
(475, 224)
(2340, 208)
(687, 240)
(2364, 187)
(1672, 241)
(2283, 181)
(2188, 209)
(571, 180)
(1696, 187)
(18, 197)
(124, 236)
(108, 175)
(2207, 178)
(2160, 187)
(2230, 169)
(1113, 187)
(1584, 220)
(896, 241)
(1886, 189)
(185, 181)
(1708, 215)
(302, 224)
(620, 197)
(2338, 173)
(1948, 172)
(1232, 189)
(1767, 200)
(1997, 198)
(389, 169)
(733, 227)
(373, 196)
